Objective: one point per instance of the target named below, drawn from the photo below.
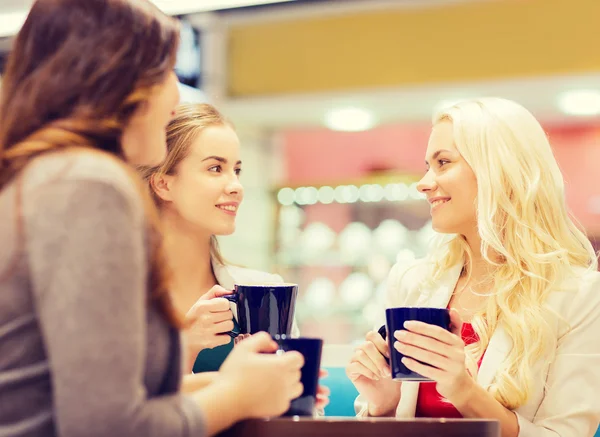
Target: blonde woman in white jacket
(519, 277)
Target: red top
(430, 403)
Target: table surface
(363, 427)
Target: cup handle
(383, 332)
(232, 298)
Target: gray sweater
(81, 352)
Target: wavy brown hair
(76, 74)
(189, 121)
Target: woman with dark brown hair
(88, 332)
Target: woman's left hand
(322, 393)
(441, 351)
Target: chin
(443, 229)
(225, 232)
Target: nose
(427, 183)
(235, 186)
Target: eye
(215, 169)
(238, 171)
(443, 162)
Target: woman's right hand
(371, 375)
(209, 321)
(265, 382)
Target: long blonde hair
(526, 234)
(189, 121)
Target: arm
(88, 264)
(197, 381)
(570, 406)
(479, 403)
(394, 297)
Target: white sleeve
(395, 296)
(571, 406)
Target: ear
(161, 185)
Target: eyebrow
(436, 154)
(220, 159)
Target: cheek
(195, 197)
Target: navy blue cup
(265, 307)
(395, 318)
(311, 349)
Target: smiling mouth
(229, 208)
(439, 202)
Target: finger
(260, 342)
(218, 317)
(378, 359)
(361, 356)
(432, 331)
(321, 402)
(292, 360)
(297, 390)
(222, 327)
(423, 342)
(218, 304)
(423, 370)
(456, 322)
(424, 356)
(323, 390)
(355, 370)
(323, 373)
(379, 342)
(216, 291)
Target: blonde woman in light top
(198, 191)
(519, 277)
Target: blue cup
(265, 307)
(395, 318)
(311, 349)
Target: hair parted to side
(189, 121)
(526, 233)
(76, 74)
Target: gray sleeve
(87, 260)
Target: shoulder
(406, 279)
(73, 173)
(421, 282)
(578, 298)
(81, 167)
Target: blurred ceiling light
(326, 195)
(286, 196)
(349, 120)
(179, 7)
(580, 102)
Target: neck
(479, 267)
(188, 252)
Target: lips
(230, 208)
(438, 202)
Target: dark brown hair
(189, 121)
(78, 71)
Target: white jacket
(565, 399)
(227, 276)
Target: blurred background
(332, 101)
